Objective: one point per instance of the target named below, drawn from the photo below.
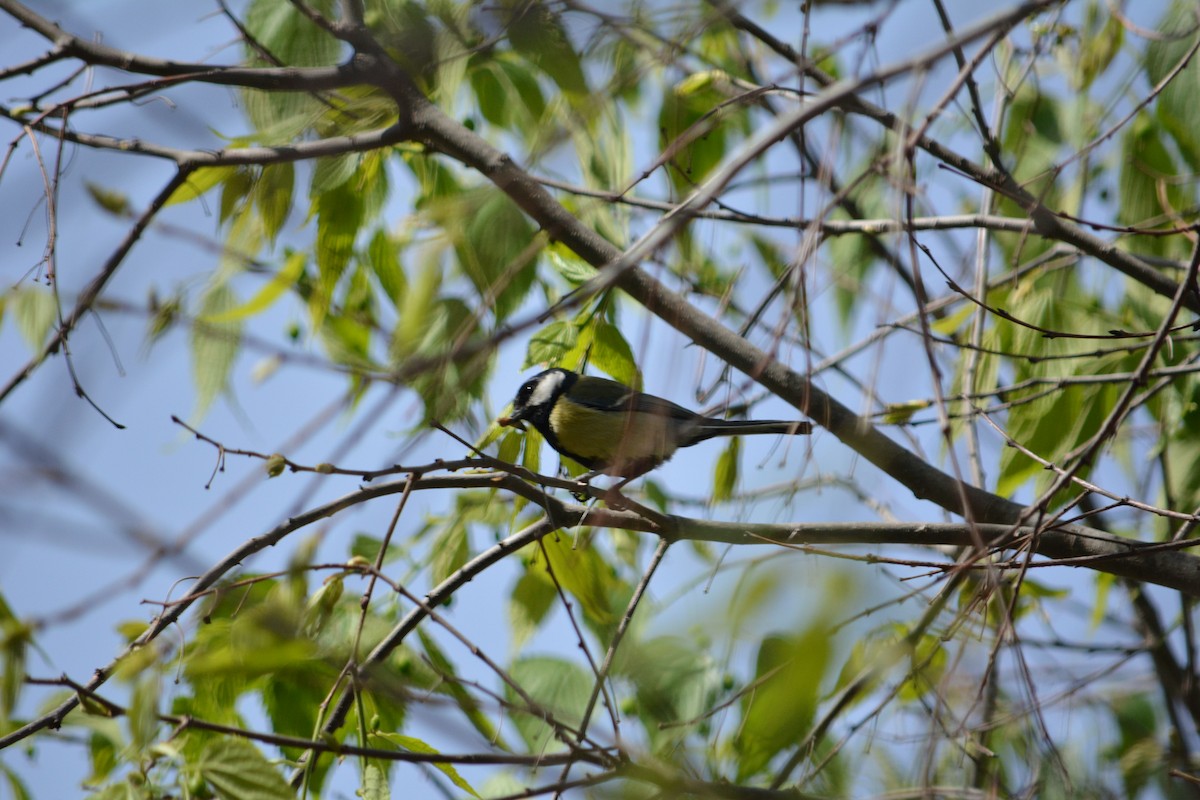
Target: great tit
(613, 430)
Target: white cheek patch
(545, 389)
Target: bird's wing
(610, 396)
(649, 404)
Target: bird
(614, 430)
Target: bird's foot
(585, 483)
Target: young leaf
(385, 265)
(215, 347)
(333, 171)
(612, 354)
(414, 745)
(780, 710)
(34, 311)
(530, 602)
(726, 475)
(559, 687)
(236, 768)
(200, 181)
(291, 36)
(273, 196)
(537, 33)
(548, 346)
(690, 127)
(573, 268)
(450, 550)
(493, 248)
(271, 291)
(1177, 109)
(339, 217)
(375, 783)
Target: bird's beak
(511, 422)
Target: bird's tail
(708, 428)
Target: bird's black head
(537, 396)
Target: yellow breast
(612, 442)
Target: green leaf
(928, 660)
(491, 94)
(374, 783)
(244, 662)
(103, 752)
(613, 355)
(129, 789)
(214, 347)
(953, 322)
(450, 390)
(366, 546)
(1177, 109)
(409, 36)
(272, 195)
(234, 768)
(131, 629)
(436, 180)
(779, 711)
(289, 35)
(1104, 584)
(508, 94)
(1150, 195)
(418, 305)
(17, 787)
(339, 217)
(1184, 484)
(675, 681)
(234, 190)
(583, 573)
(371, 180)
(1098, 44)
(691, 132)
(536, 32)
(726, 475)
(333, 171)
(385, 265)
(448, 684)
(413, 745)
(548, 346)
(347, 341)
(492, 239)
(1139, 754)
(559, 687)
(200, 181)
(142, 716)
(573, 268)
(271, 291)
(34, 311)
(901, 413)
(1051, 426)
(291, 706)
(525, 83)
(450, 550)
(855, 260)
(509, 449)
(322, 604)
(530, 602)
(531, 455)
(15, 638)
(112, 201)
(1034, 132)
